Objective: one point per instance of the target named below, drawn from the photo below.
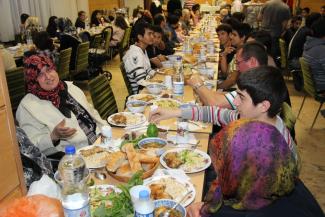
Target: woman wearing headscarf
(55, 113)
(256, 176)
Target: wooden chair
(107, 35)
(102, 96)
(64, 63)
(126, 79)
(288, 118)
(309, 87)
(16, 85)
(96, 41)
(81, 62)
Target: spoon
(166, 214)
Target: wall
(102, 5)
(314, 5)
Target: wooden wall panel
(314, 5)
(104, 4)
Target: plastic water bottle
(144, 207)
(178, 79)
(29, 39)
(75, 197)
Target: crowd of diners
(254, 153)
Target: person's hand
(61, 132)
(228, 50)
(194, 80)
(193, 210)
(161, 58)
(162, 114)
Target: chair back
(102, 96)
(309, 84)
(126, 38)
(107, 35)
(96, 41)
(126, 79)
(81, 63)
(283, 51)
(288, 117)
(16, 86)
(64, 63)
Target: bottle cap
(144, 194)
(70, 149)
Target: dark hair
(140, 29)
(178, 12)
(23, 18)
(239, 16)
(195, 7)
(231, 21)
(172, 19)
(158, 19)
(52, 21)
(312, 18)
(264, 83)
(256, 50)
(120, 22)
(307, 9)
(64, 24)
(43, 41)
(243, 29)
(93, 19)
(224, 27)
(318, 28)
(263, 37)
(52, 26)
(147, 17)
(80, 13)
(135, 12)
(296, 18)
(157, 29)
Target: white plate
(141, 96)
(104, 189)
(91, 164)
(163, 103)
(188, 186)
(137, 119)
(194, 169)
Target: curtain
(10, 11)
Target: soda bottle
(144, 207)
(75, 196)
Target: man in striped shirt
(262, 91)
(136, 60)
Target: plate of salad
(188, 160)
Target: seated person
(81, 20)
(238, 35)
(55, 113)
(296, 48)
(314, 54)
(136, 60)
(264, 38)
(224, 31)
(196, 15)
(257, 176)
(52, 27)
(159, 20)
(294, 26)
(186, 21)
(68, 38)
(172, 25)
(251, 55)
(261, 92)
(95, 18)
(157, 51)
(119, 28)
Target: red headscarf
(33, 66)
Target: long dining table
(201, 134)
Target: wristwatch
(198, 85)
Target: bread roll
(132, 158)
(116, 159)
(124, 170)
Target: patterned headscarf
(33, 65)
(254, 166)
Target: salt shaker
(106, 132)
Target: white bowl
(170, 204)
(159, 150)
(167, 64)
(155, 88)
(136, 106)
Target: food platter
(167, 103)
(126, 119)
(169, 187)
(143, 97)
(94, 156)
(166, 71)
(99, 194)
(188, 160)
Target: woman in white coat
(55, 113)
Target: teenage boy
(262, 91)
(136, 61)
(237, 36)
